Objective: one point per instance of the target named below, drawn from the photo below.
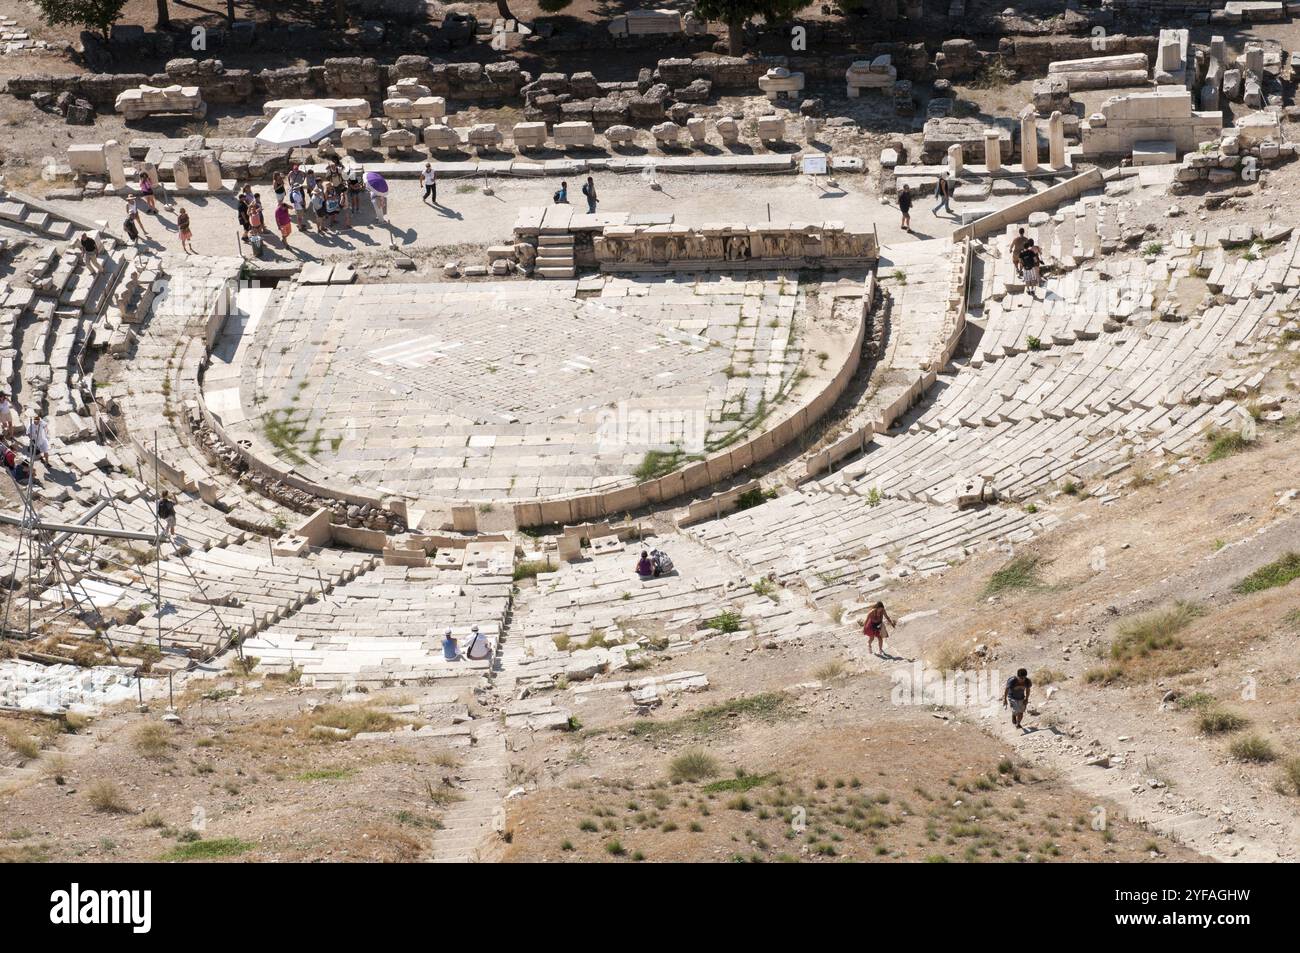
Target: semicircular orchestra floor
(509, 390)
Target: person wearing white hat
(479, 648)
(450, 650)
(38, 432)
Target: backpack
(556, 197)
(662, 562)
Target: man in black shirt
(905, 206)
(1016, 696)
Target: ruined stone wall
(1031, 55)
(344, 77)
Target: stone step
(555, 272)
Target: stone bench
(145, 101)
(345, 110)
(574, 134)
(666, 134)
(441, 138)
(529, 135)
(620, 135)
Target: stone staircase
(469, 823)
(18, 212)
(555, 255)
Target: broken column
(1209, 98)
(113, 164)
(1254, 79)
(1029, 140)
(212, 173)
(954, 159)
(1056, 141)
(992, 150)
(1102, 72)
(180, 174)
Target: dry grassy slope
(1190, 537)
(898, 785)
(269, 789)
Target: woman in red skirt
(874, 626)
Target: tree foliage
(736, 13)
(97, 15)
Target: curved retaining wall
(698, 476)
(577, 509)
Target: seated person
(644, 565)
(479, 648)
(450, 650)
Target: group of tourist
(328, 202)
(133, 224)
(37, 433)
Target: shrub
(1224, 444)
(951, 656)
(1155, 630)
(104, 796)
(1196, 700)
(24, 745)
(1291, 775)
(1217, 721)
(528, 569)
(693, 765)
(724, 622)
(1254, 749)
(152, 739)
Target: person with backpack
(663, 563)
(133, 214)
(589, 190)
(1016, 696)
(873, 627)
(561, 196)
(905, 206)
(1030, 263)
(942, 192)
(167, 512)
(128, 226)
(298, 202)
(479, 647)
